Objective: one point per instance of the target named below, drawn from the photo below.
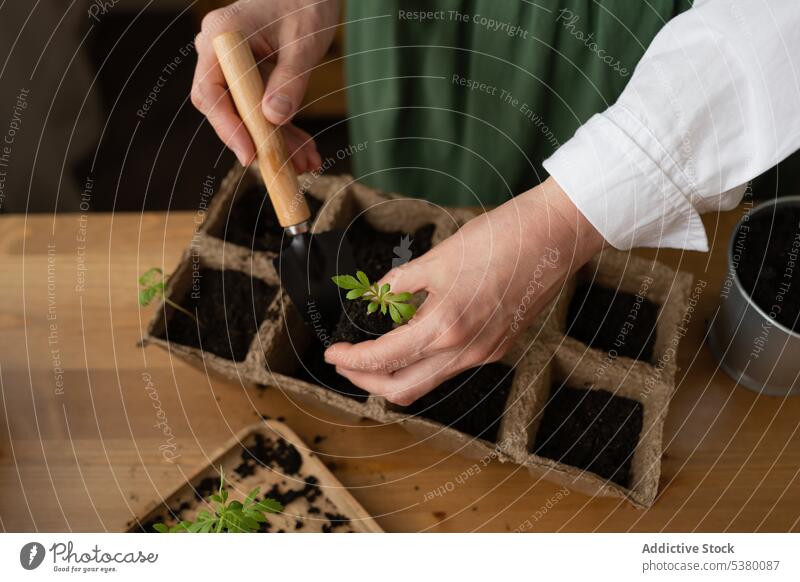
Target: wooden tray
(326, 506)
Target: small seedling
(359, 287)
(153, 285)
(234, 517)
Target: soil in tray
(230, 307)
(616, 322)
(374, 253)
(592, 430)
(252, 222)
(354, 326)
(472, 402)
(767, 269)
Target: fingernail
(280, 105)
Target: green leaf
(251, 496)
(270, 505)
(406, 310)
(235, 506)
(395, 315)
(346, 281)
(150, 276)
(235, 522)
(160, 528)
(248, 524)
(378, 296)
(181, 527)
(146, 296)
(255, 515)
(362, 276)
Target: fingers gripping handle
(247, 88)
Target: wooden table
(79, 445)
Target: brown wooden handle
(247, 88)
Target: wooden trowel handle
(247, 88)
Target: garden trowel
(307, 263)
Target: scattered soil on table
(252, 222)
(768, 267)
(206, 487)
(613, 321)
(374, 251)
(229, 305)
(472, 402)
(335, 520)
(279, 455)
(265, 452)
(592, 430)
(309, 490)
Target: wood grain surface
(84, 410)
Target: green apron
(459, 101)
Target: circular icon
(31, 555)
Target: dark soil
(229, 305)
(356, 325)
(206, 487)
(335, 520)
(252, 222)
(472, 402)
(612, 321)
(310, 491)
(592, 430)
(768, 268)
(266, 452)
(374, 252)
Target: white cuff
(626, 185)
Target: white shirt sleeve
(714, 102)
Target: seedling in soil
(153, 285)
(234, 517)
(378, 297)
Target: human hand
(288, 39)
(485, 284)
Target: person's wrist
(569, 226)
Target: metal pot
(752, 348)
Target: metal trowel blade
(305, 267)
